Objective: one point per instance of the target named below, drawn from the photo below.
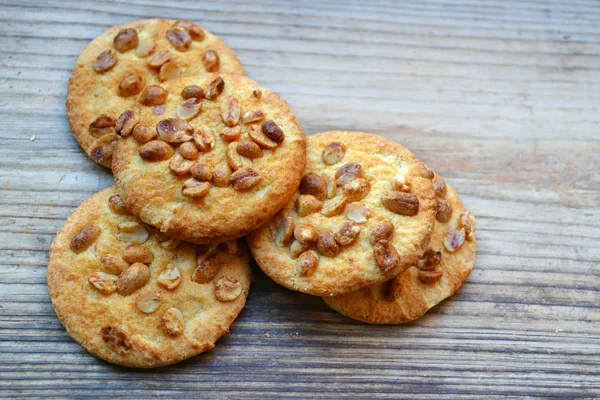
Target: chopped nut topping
(429, 260)
(157, 60)
(135, 253)
(116, 339)
(358, 212)
(116, 205)
(173, 322)
(211, 61)
(314, 184)
(169, 70)
(298, 248)
(231, 134)
(307, 262)
(195, 188)
(195, 30)
(261, 139)
(333, 153)
(132, 279)
(356, 189)
(207, 268)
(170, 278)
(401, 203)
(305, 233)
(113, 263)
(145, 48)
(127, 121)
(249, 149)
(454, 239)
(179, 165)
(221, 175)
(334, 206)
(174, 130)
(467, 221)
(400, 183)
(170, 243)
(153, 95)
(102, 125)
(253, 116)
(273, 131)
(179, 38)
(148, 303)
(156, 150)
(204, 138)
(257, 94)
(202, 172)
(308, 204)
(348, 172)
(159, 110)
(189, 150)
(103, 148)
(430, 276)
(143, 133)
(231, 111)
(235, 160)
(424, 172)
(103, 282)
(386, 256)
(130, 85)
(215, 88)
(347, 233)
(126, 39)
(189, 108)
(327, 245)
(382, 231)
(84, 238)
(191, 91)
(331, 186)
(132, 232)
(245, 178)
(285, 231)
(440, 188)
(444, 211)
(227, 289)
(105, 61)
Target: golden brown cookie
(135, 297)
(221, 160)
(363, 213)
(438, 274)
(114, 68)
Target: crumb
(32, 138)
(267, 334)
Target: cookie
(114, 68)
(135, 297)
(363, 213)
(438, 274)
(224, 157)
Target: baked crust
(355, 266)
(92, 93)
(85, 311)
(410, 297)
(155, 194)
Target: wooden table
(508, 96)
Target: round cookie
(133, 296)
(224, 157)
(114, 68)
(441, 271)
(363, 213)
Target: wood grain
(501, 98)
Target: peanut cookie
(363, 213)
(114, 68)
(135, 297)
(221, 160)
(438, 274)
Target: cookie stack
(152, 270)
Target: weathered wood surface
(509, 96)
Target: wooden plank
(501, 98)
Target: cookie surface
(442, 270)
(133, 296)
(364, 212)
(113, 69)
(221, 160)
